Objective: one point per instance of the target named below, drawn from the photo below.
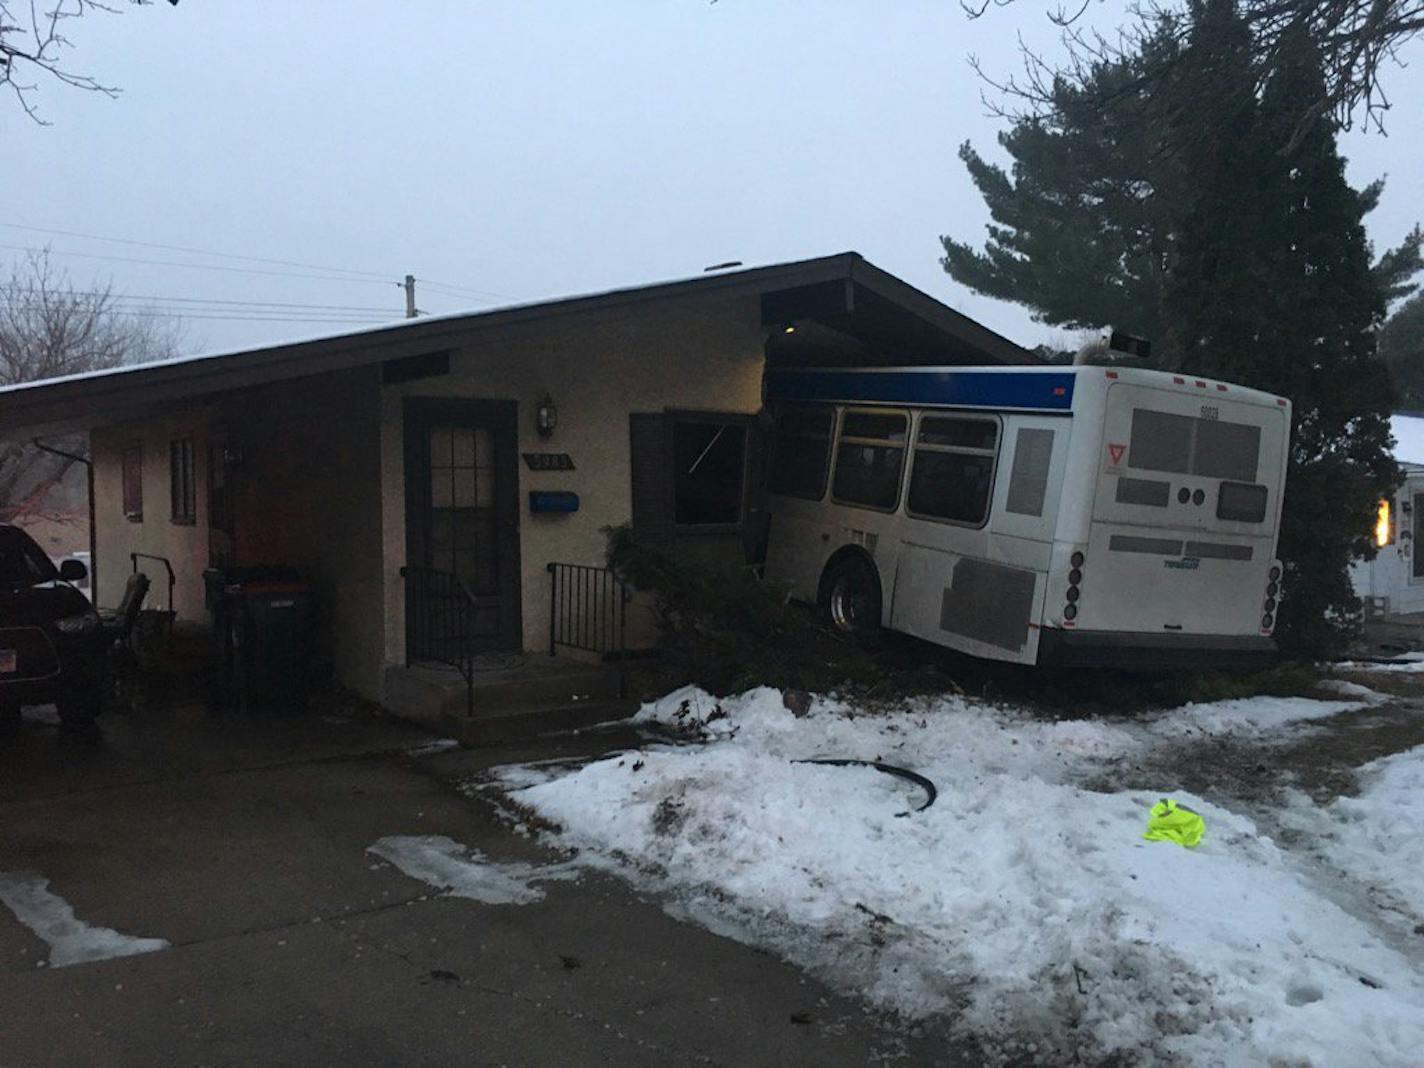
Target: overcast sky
(531, 149)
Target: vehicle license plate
(8, 664)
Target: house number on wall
(548, 461)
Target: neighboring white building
(1393, 582)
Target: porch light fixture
(788, 328)
(546, 417)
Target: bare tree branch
(50, 328)
(1358, 40)
(33, 47)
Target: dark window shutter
(651, 477)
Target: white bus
(1047, 515)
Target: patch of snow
(48, 714)
(71, 940)
(447, 865)
(1250, 715)
(1026, 906)
(439, 745)
(1345, 688)
(1375, 836)
(1409, 662)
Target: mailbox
(553, 502)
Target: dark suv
(52, 645)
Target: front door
(462, 520)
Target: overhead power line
(196, 266)
(139, 299)
(358, 275)
(194, 251)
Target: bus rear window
(1186, 445)
(1241, 503)
(801, 454)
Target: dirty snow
(1023, 904)
(71, 940)
(449, 866)
(1408, 662)
(1375, 835)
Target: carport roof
(845, 295)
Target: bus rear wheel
(850, 598)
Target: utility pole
(410, 296)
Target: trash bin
(261, 624)
(270, 645)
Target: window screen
(709, 472)
(1186, 445)
(953, 473)
(1241, 503)
(133, 482)
(1028, 481)
(180, 474)
(801, 454)
(870, 459)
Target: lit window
(1384, 525)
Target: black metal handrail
(134, 558)
(440, 623)
(588, 609)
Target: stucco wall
(306, 489)
(318, 473)
(598, 369)
(307, 493)
(185, 545)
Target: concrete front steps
(517, 697)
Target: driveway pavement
(243, 844)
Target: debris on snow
(71, 940)
(446, 864)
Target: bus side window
(801, 451)
(953, 473)
(1028, 478)
(870, 459)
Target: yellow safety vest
(1170, 822)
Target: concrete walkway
(243, 844)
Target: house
(1392, 584)
(490, 445)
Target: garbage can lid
(272, 586)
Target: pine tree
(1077, 233)
(1260, 269)
(1401, 346)
(1271, 286)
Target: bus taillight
(1273, 598)
(1075, 579)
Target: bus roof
(1046, 389)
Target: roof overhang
(864, 314)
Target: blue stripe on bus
(1052, 391)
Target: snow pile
(1029, 907)
(447, 865)
(1256, 715)
(1408, 662)
(1376, 836)
(71, 940)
